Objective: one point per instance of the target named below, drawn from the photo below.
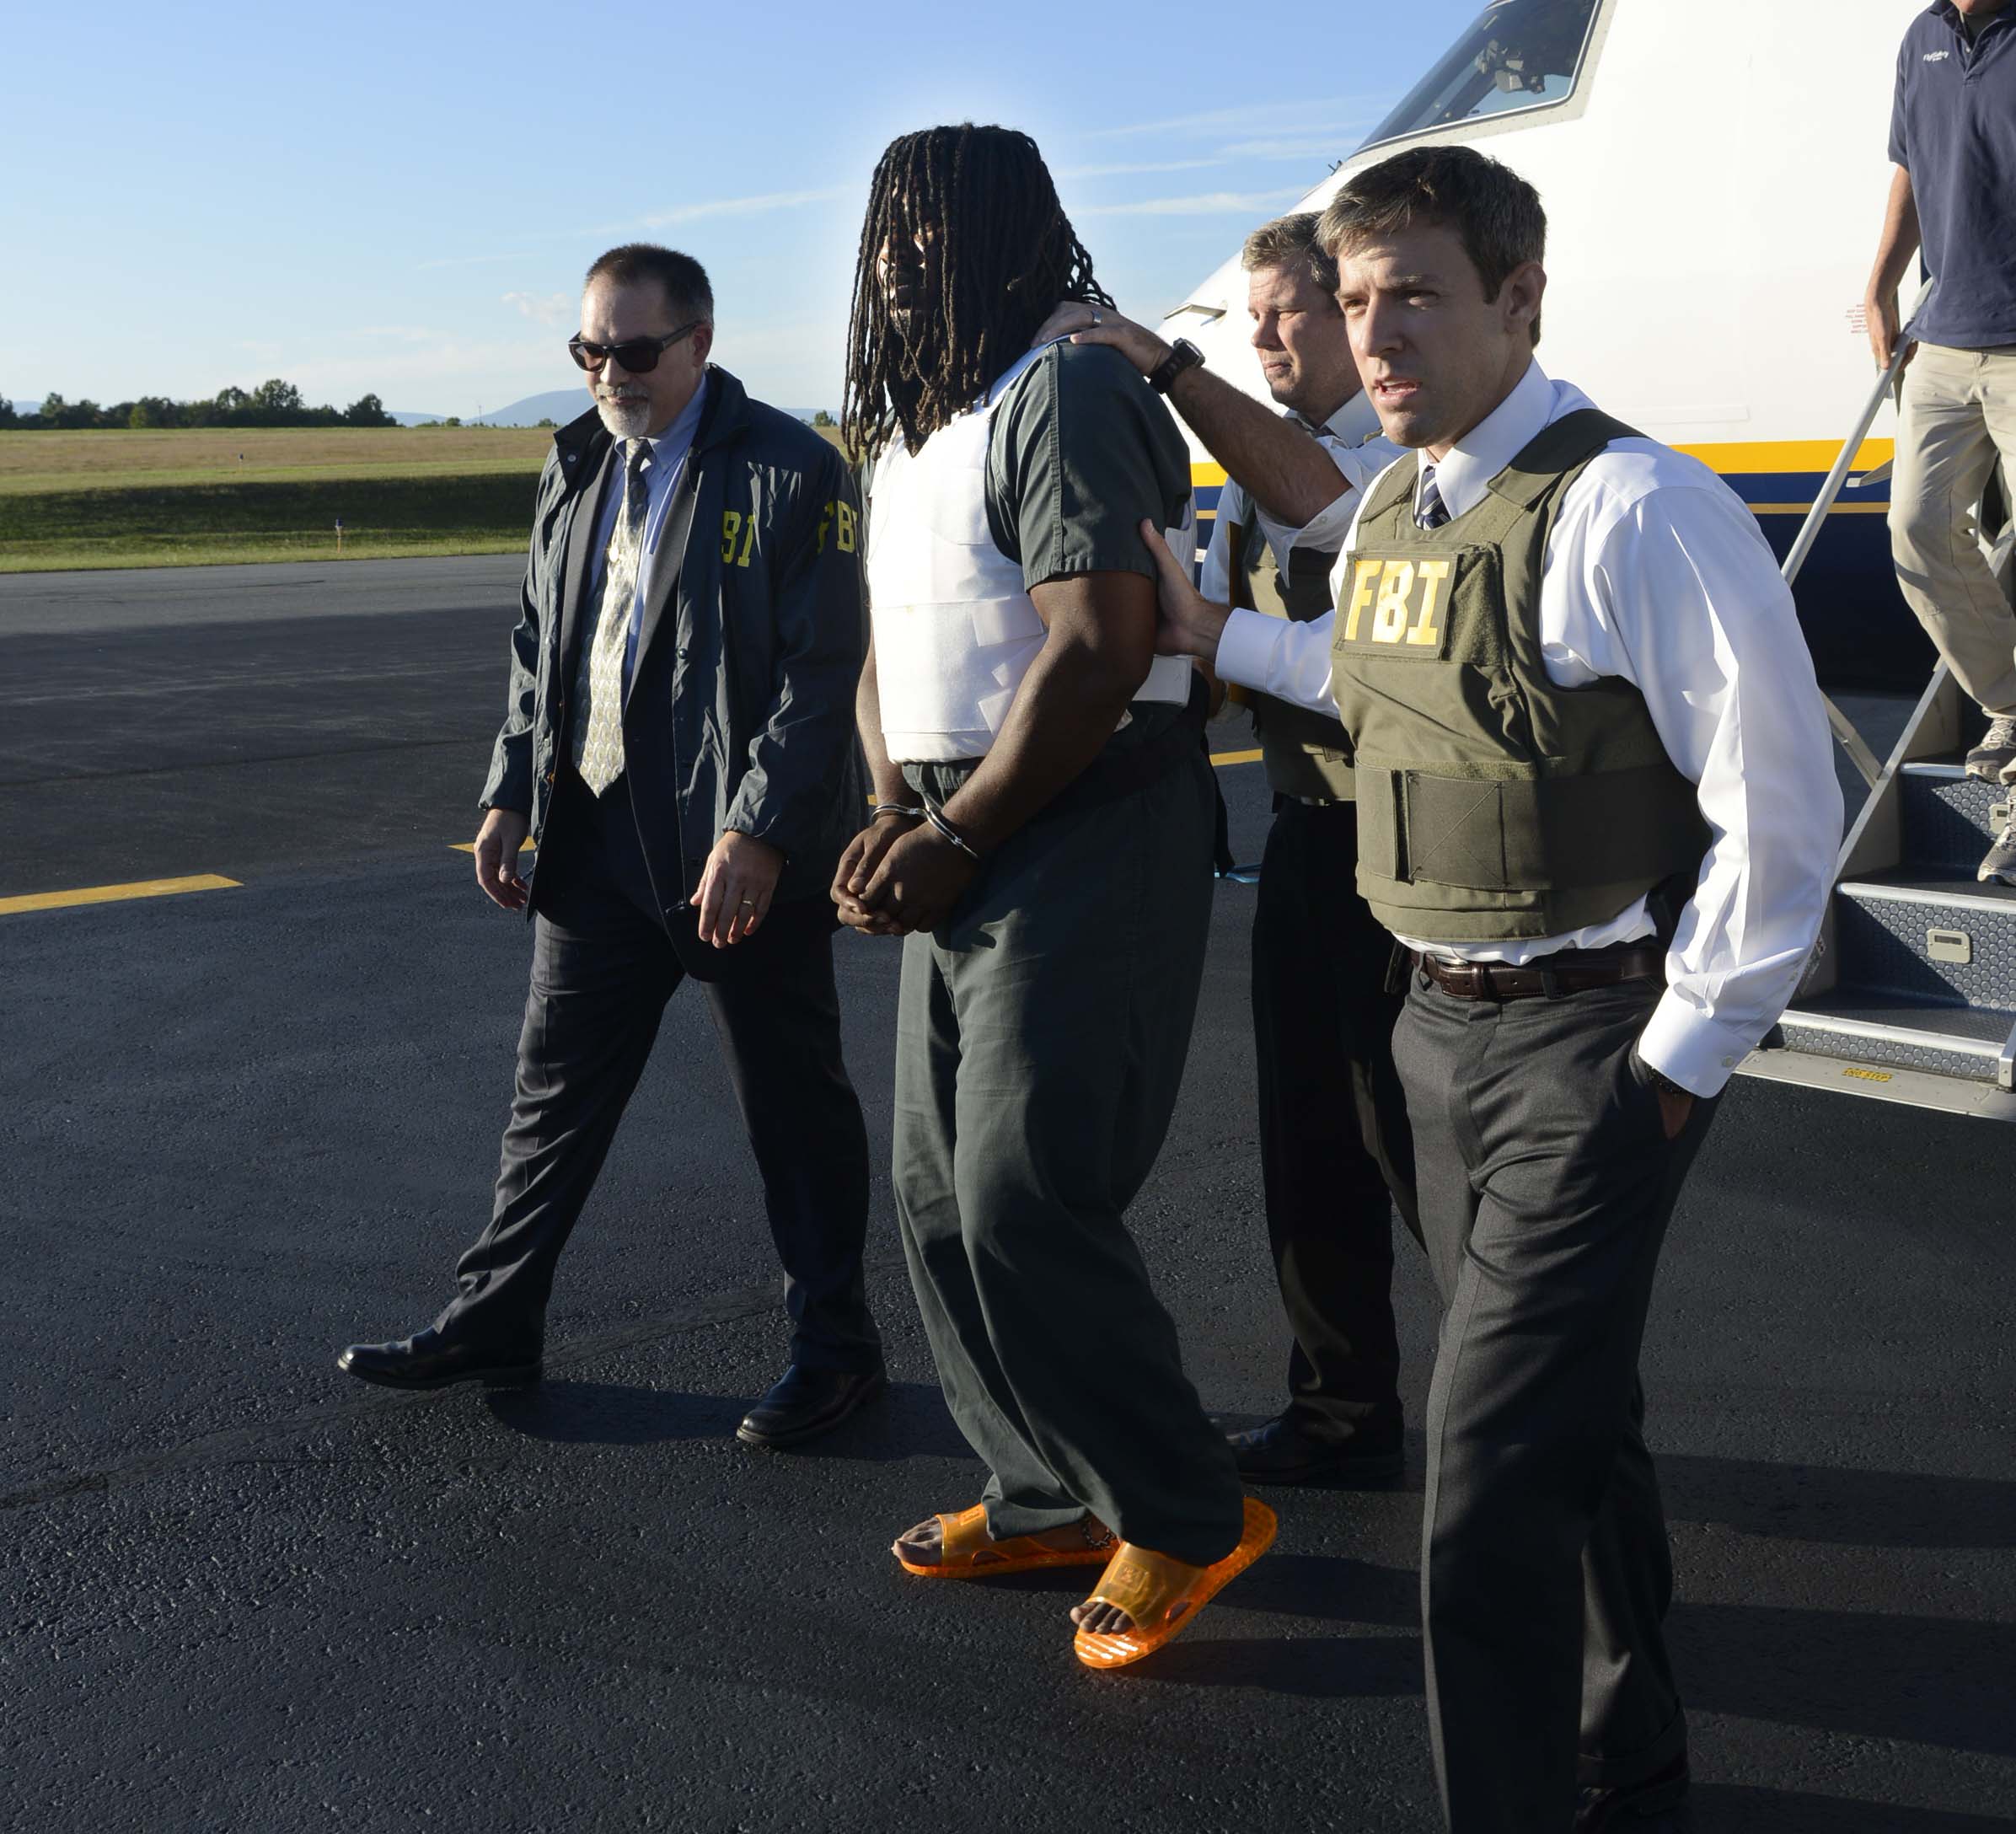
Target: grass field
(187, 497)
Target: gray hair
(684, 281)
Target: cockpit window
(1519, 54)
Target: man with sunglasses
(678, 741)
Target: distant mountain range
(558, 405)
(561, 407)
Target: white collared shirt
(1351, 438)
(1657, 572)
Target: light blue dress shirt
(663, 468)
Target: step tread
(1915, 882)
(1986, 1025)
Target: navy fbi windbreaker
(741, 707)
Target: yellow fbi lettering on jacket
(1398, 607)
(738, 532)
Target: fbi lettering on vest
(1397, 606)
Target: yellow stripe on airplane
(1739, 458)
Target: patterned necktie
(598, 683)
(1430, 512)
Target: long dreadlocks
(1005, 254)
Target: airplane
(1714, 173)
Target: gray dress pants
(1040, 1043)
(1546, 1182)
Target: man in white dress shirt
(1597, 802)
(1336, 1155)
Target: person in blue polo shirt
(1952, 138)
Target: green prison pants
(1040, 1043)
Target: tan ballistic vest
(1493, 805)
(1304, 754)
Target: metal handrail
(1851, 742)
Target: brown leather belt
(1573, 971)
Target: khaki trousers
(1958, 414)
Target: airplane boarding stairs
(1913, 994)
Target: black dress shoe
(424, 1360)
(1278, 1453)
(808, 1402)
(1651, 1805)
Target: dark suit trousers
(1040, 1041)
(605, 963)
(1336, 1152)
(1546, 1182)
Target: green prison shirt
(1081, 451)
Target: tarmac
(244, 1126)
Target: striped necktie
(1430, 512)
(598, 683)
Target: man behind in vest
(1597, 803)
(1042, 838)
(1333, 1134)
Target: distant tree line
(271, 404)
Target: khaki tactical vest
(1304, 754)
(1493, 805)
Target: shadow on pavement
(612, 1414)
(1858, 1508)
(1314, 1668)
(1333, 1589)
(910, 1422)
(1731, 1808)
(1945, 1683)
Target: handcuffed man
(1042, 838)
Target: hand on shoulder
(1101, 325)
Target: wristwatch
(1183, 355)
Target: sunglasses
(638, 355)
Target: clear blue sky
(401, 199)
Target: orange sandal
(966, 1553)
(1151, 1587)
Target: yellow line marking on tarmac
(114, 894)
(470, 846)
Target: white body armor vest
(954, 631)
